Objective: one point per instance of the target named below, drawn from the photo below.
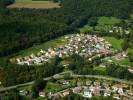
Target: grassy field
(34, 4)
(103, 24)
(36, 48)
(23, 1)
(116, 43)
(86, 28)
(102, 69)
(108, 20)
(53, 87)
(124, 61)
(130, 50)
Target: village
(87, 88)
(88, 46)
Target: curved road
(61, 75)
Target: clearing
(34, 4)
(103, 24)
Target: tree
(130, 55)
(38, 86)
(11, 95)
(55, 1)
(124, 45)
(93, 21)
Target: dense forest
(22, 28)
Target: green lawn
(53, 87)
(86, 28)
(130, 50)
(124, 61)
(23, 0)
(108, 20)
(37, 4)
(102, 69)
(104, 24)
(116, 43)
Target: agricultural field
(34, 4)
(103, 24)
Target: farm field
(34, 4)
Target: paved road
(104, 78)
(61, 75)
(30, 83)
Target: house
(88, 82)
(97, 92)
(18, 60)
(64, 82)
(114, 88)
(116, 96)
(79, 83)
(56, 96)
(92, 88)
(110, 31)
(42, 94)
(130, 92)
(107, 93)
(126, 98)
(127, 32)
(50, 94)
(130, 70)
(65, 93)
(24, 92)
(97, 83)
(66, 37)
(124, 85)
(120, 91)
(87, 94)
(77, 89)
(124, 54)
